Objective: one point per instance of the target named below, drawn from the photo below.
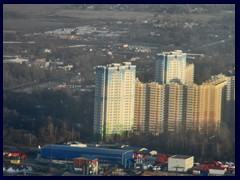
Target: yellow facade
(204, 105)
(140, 107)
(149, 108)
(175, 107)
(211, 102)
(156, 93)
(192, 108)
(189, 78)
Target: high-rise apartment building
(192, 108)
(204, 105)
(114, 99)
(173, 104)
(140, 112)
(160, 108)
(228, 105)
(210, 104)
(170, 66)
(189, 77)
(149, 108)
(176, 107)
(156, 108)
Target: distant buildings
(149, 108)
(114, 99)
(17, 60)
(175, 107)
(40, 62)
(173, 104)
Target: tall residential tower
(114, 99)
(170, 66)
(228, 108)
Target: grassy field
(41, 17)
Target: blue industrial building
(111, 156)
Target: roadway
(30, 87)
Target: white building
(48, 51)
(114, 99)
(170, 66)
(217, 171)
(180, 163)
(17, 60)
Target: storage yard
(76, 159)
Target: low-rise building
(42, 63)
(217, 171)
(180, 163)
(86, 166)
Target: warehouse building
(180, 163)
(109, 156)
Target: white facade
(170, 66)
(217, 172)
(180, 163)
(114, 98)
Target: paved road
(213, 43)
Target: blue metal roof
(65, 152)
(86, 149)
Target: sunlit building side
(114, 99)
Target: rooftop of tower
(215, 80)
(175, 52)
